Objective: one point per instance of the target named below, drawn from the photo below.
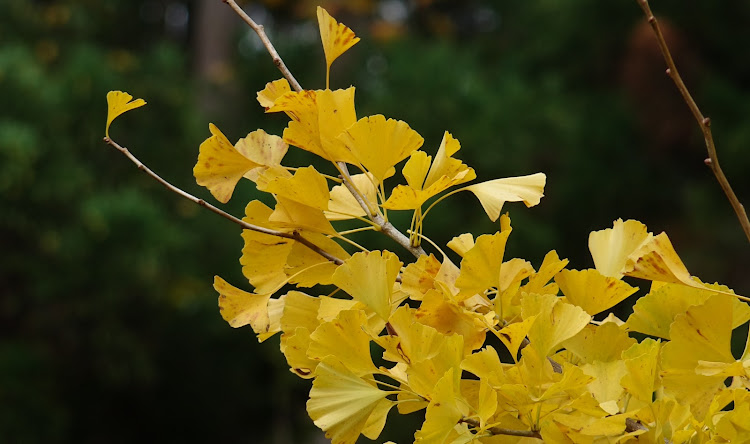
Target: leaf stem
(331, 178)
(703, 122)
(293, 235)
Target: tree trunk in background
(214, 47)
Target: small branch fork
(293, 235)
(384, 226)
(704, 122)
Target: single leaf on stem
(119, 102)
(337, 39)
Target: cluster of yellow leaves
(493, 349)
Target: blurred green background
(110, 331)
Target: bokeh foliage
(109, 325)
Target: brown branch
(384, 226)
(634, 425)
(502, 431)
(704, 122)
(293, 235)
(266, 42)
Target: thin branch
(266, 42)
(704, 122)
(384, 226)
(296, 236)
(502, 431)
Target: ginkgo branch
(502, 431)
(384, 226)
(704, 122)
(295, 235)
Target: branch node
(703, 122)
(707, 161)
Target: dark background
(109, 327)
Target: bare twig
(293, 235)
(502, 431)
(266, 42)
(384, 226)
(704, 122)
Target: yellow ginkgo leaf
(263, 264)
(656, 260)
(275, 310)
(343, 205)
(318, 118)
(449, 318)
(604, 343)
(300, 310)
(485, 364)
(379, 144)
(331, 307)
(376, 421)
(444, 172)
(419, 277)
(220, 166)
(119, 102)
(446, 408)
(556, 321)
(337, 38)
(341, 402)
(344, 339)
(512, 335)
(263, 256)
(610, 248)
(654, 313)
(307, 268)
(701, 335)
(538, 282)
(462, 243)
(591, 290)
(427, 353)
(368, 277)
(240, 308)
(294, 347)
(642, 362)
(262, 148)
(416, 168)
(273, 91)
(446, 165)
(513, 272)
(307, 186)
(494, 193)
(606, 386)
(480, 267)
(294, 215)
